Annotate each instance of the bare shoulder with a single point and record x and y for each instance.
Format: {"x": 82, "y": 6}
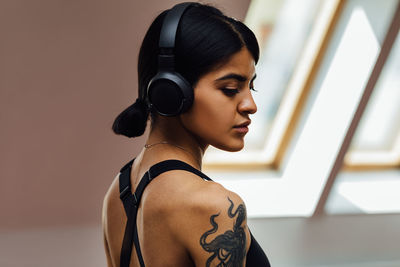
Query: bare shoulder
{"x": 181, "y": 191}
{"x": 206, "y": 218}
{"x": 109, "y": 199}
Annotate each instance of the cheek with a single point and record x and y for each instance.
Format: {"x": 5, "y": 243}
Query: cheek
{"x": 209, "y": 116}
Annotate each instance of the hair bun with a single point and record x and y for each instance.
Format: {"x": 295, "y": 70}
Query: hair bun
{"x": 133, "y": 120}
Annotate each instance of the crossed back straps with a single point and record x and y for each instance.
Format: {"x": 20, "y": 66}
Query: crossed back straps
{"x": 131, "y": 201}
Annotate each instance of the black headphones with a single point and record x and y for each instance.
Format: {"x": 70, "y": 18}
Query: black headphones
{"x": 169, "y": 93}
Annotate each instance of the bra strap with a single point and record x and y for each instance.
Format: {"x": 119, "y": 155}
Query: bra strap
{"x": 172, "y": 164}
{"x": 125, "y": 185}
{"x": 131, "y": 201}
{"x": 130, "y": 206}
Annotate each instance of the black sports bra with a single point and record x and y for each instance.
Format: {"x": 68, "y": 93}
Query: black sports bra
{"x": 255, "y": 255}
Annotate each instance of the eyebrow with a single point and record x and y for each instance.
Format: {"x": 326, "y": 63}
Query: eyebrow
{"x": 235, "y": 76}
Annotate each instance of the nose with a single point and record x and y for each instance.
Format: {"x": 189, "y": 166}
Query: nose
{"x": 247, "y": 104}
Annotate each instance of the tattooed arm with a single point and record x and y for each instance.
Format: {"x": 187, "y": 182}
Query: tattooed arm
{"x": 216, "y": 232}
{"x": 227, "y": 248}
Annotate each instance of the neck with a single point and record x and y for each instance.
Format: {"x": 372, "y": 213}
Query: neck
{"x": 174, "y": 141}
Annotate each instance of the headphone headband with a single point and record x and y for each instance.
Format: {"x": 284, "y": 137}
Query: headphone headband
{"x": 170, "y": 25}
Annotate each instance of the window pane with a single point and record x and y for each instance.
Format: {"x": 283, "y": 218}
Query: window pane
{"x": 380, "y": 125}
{"x": 282, "y": 28}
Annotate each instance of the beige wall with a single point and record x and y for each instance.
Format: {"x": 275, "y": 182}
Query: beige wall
{"x": 67, "y": 68}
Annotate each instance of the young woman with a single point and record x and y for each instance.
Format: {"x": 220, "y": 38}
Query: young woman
{"x": 196, "y": 71}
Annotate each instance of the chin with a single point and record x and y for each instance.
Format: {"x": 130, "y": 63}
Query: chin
{"x": 231, "y": 147}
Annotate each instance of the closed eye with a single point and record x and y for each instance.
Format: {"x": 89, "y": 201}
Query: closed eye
{"x": 229, "y": 92}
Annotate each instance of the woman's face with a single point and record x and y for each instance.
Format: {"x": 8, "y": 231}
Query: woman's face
{"x": 222, "y": 104}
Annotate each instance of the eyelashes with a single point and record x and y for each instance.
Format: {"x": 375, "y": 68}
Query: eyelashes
{"x": 230, "y": 92}
{"x": 234, "y": 91}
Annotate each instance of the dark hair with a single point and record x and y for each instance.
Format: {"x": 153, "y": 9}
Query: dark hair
{"x": 205, "y": 39}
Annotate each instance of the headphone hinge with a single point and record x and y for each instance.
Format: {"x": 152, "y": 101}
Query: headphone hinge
{"x": 166, "y": 62}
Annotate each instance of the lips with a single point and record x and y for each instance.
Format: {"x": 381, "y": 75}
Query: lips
{"x": 242, "y": 128}
{"x": 244, "y": 124}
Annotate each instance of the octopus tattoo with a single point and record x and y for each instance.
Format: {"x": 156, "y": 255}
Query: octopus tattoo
{"x": 229, "y": 248}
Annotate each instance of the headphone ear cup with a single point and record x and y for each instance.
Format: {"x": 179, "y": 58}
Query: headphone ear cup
{"x": 169, "y": 94}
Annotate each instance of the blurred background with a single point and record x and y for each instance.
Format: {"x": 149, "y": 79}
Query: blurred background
{"x": 320, "y": 174}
